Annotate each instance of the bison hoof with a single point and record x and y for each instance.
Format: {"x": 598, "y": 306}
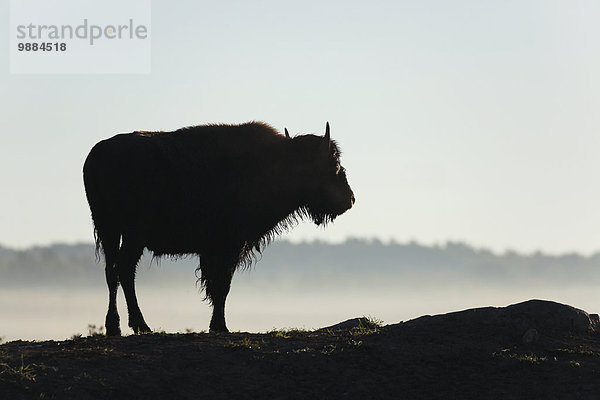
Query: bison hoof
{"x": 113, "y": 331}
{"x": 112, "y": 325}
{"x": 218, "y": 329}
{"x": 140, "y": 329}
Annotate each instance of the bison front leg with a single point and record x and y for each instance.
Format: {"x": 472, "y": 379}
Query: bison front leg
{"x": 217, "y": 321}
{"x": 216, "y": 279}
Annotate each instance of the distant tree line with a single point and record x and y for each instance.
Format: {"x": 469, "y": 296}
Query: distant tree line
{"x": 355, "y": 260}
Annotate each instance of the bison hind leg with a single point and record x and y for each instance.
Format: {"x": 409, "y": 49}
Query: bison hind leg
{"x": 112, "y": 322}
{"x": 109, "y": 242}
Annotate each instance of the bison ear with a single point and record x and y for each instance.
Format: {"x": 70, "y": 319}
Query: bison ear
{"x": 287, "y": 134}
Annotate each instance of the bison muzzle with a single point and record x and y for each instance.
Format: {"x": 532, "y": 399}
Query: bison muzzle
{"x": 221, "y": 192}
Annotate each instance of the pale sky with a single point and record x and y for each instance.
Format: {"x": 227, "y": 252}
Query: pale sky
{"x": 475, "y": 120}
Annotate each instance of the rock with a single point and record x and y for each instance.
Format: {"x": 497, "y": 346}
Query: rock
{"x": 548, "y": 316}
{"x": 530, "y": 336}
{"x": 525, "y": 321}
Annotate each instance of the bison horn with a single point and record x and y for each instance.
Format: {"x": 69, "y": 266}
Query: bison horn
{"x": 287, "y": 134}
{"x": 327, "y": 137}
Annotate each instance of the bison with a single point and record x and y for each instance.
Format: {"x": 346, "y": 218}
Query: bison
{"x": 221, "y": 192}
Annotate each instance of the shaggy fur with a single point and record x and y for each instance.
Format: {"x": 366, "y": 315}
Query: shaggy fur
{"x": 221, "y": 192}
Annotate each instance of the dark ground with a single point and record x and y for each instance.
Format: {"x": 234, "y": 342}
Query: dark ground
{"x": 532, "y": 350}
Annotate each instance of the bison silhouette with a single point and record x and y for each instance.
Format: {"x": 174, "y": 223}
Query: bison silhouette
{"x": 221, "y": 192}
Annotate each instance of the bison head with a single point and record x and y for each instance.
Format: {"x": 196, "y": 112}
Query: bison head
{"x": 330, "y": 195}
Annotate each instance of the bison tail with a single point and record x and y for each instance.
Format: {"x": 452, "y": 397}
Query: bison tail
{"x": 107, "y": 236}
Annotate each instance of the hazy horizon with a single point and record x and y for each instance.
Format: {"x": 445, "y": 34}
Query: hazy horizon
{"x": 54, "y": 292}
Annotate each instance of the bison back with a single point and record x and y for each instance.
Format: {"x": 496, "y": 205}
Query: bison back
{"x": 177, "y": 191}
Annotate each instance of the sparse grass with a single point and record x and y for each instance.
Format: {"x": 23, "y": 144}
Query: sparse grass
{"x": 94, "y": 330}
{"x": 581, "y": 351}
{"x": 373, "y": 322}
{"x": 368, "y": 326}
{"x": 189, "y": 331}
{"x": 529, "y": 358}
{"x": 287, "y": 333}
{"x": 21, "y": 375}
{"x": 245, "y": 343}
{"x": 329, "y": 349}
{"x": 303, "y": 350}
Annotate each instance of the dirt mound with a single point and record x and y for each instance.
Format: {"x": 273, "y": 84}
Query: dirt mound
{"x": 473, "y": 354}
{"x": 543, "y": 317}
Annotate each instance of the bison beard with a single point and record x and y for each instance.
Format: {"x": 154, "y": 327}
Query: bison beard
{"x": 219, "y": 191}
